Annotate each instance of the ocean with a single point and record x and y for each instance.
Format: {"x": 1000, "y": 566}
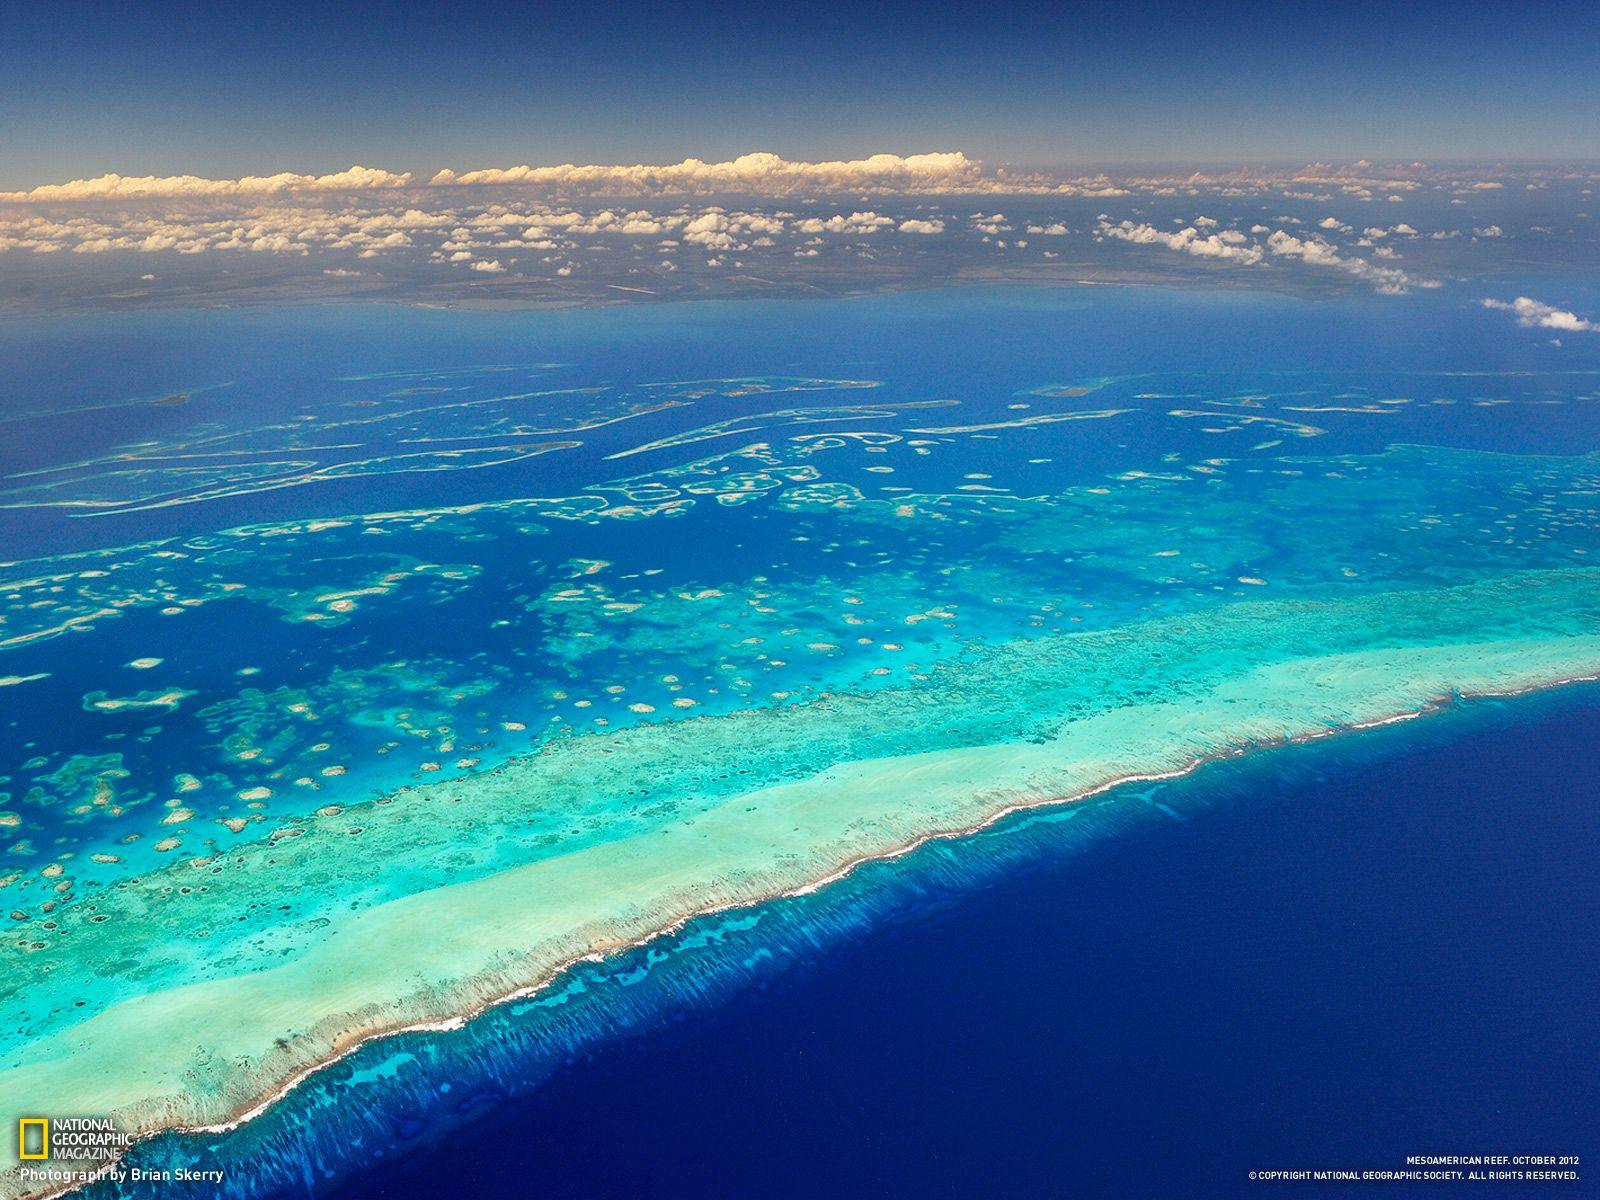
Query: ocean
{"x": 363, "y": 665}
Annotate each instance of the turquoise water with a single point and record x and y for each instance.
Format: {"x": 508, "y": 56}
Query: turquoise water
{"x": 311, "y": 613}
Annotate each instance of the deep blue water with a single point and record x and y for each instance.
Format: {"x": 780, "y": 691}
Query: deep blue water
{"x": 1354, "y": 955}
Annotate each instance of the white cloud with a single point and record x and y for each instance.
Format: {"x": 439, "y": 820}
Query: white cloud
{"x": 1312, "y": 250}
{"x": 1537, "y": 314}
{"x": 1188, "y": 240}
{"x": 1390, "y": 280}
{"x": 856, "y": 222}
{"x": 492, "y": 266}
{"x": 917, "y": 225}
{"x": 710, "y": 230}
{"x": 1231, "y": 245}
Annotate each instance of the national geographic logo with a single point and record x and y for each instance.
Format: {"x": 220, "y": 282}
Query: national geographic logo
{"x": 76, "y": 1139}
{"x": 80, "y": 1150}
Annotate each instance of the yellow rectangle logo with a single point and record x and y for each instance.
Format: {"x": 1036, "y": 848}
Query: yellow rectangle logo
{"x": 26, "y": 1125}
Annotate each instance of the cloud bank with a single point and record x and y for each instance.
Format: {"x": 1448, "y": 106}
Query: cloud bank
{"x": 768, "y": 174}
{"x": 761, "y": 174}
{"x": 144, "y": 187}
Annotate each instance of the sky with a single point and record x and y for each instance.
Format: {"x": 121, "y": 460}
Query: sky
{"x": 170, "y": 86}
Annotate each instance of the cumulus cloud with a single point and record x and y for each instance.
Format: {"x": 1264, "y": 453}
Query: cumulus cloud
{"x": 710, "y": 230}
{"x": 715, "y": 228}
{"x": 917, "y": 225}
{"x": 1390, "y": 280}
{"x": 1535, "y": 314}
{"x": 1232, "y": 246}
{"x": 1311, "y": 250}
{"x": 1227, "y": 245}
{"x": 856, "y": 222}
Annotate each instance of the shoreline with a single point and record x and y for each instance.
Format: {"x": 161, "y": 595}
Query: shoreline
{"x": 552, "y": 974}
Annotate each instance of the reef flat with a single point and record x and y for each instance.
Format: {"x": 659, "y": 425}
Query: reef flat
{"x": 326, "y": 736}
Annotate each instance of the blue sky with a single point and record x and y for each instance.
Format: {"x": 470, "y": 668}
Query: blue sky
{"x": 169, "y": 86}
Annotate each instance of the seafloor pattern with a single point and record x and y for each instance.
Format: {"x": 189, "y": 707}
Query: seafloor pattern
{"x": 354, "y": 694}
